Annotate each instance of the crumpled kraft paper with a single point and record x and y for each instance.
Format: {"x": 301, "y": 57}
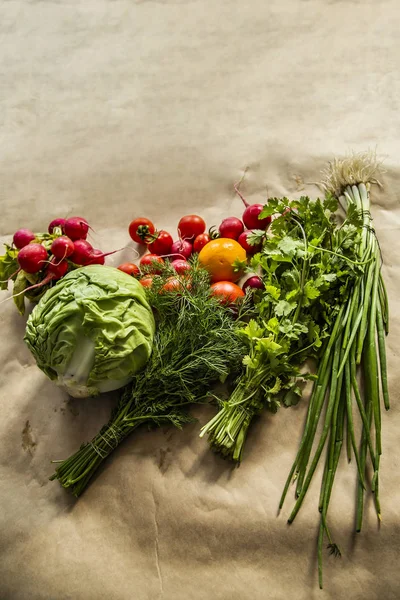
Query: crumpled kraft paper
{"x": 112, "y": 110}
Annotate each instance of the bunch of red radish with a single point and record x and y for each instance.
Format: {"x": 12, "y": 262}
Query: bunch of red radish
{"x": 53, "y": 255}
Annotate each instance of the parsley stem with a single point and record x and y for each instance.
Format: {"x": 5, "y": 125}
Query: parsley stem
{"x": 349, "y": 260}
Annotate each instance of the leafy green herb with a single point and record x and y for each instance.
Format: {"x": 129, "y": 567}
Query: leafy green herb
{"x": 195, "y": 345}
{"x": 306, "y": 265}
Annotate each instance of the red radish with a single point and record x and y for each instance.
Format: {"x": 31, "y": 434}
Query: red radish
{"x": 62, "y": 247}
{"x": 182, "y": 248}
{"x": 76, "y": 228}
{"x": 245, "y": 244}
{"x": 181, "y": 266}
{"x": 56, "y": 269}
{"x": 82, "y": 252}
{"x": 129, "y": 269}
{"x": 59, "y": 223}
{"x": 32, "y": 258}
{"x": 22, "y": 238}
{"x": 162, "y": 243}
{"x": 251, "y": 220}
{"x": 253, "y": 282}
{"x": 200, "y": 241}
{"x": 150, "y": 260}
{"x": 97, "y": 257}
{"x": 190, "y": 227}
{"x": 250, "y": 215}
{"x": 231, "y": 227}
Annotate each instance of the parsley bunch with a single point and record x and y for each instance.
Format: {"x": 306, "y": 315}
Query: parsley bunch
{"x": 307, "y": 264}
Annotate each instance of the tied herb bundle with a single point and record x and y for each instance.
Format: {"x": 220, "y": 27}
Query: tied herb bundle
{"x": 195, "y": 346}
{"x": 356, "y": 344}
{"x": 307, "y": 265}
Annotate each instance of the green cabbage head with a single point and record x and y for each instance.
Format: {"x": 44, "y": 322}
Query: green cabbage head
{"x": 92, "y": 331}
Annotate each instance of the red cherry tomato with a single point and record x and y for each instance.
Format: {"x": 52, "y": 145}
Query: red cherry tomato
{"x": 242, "y": 239}
{"x": 151, "y": 260}
{"x": 147, "y": 281}
{"x": 140, "y": 229}
{"x": 191, "y": 226}
{"x": 227, "y": 291}
{"x": 231, "y": 227}
{"x": 162, "y": 244}
{"x": 171, "y": 285}
{"x": 129, "y": 269}
{"x": 200, "y": 241}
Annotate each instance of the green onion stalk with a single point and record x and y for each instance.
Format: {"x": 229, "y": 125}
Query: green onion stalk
{"x": 356, "y": 349}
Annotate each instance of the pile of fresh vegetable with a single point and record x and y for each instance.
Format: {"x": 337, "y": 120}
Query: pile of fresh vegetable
{"x": 291, "y": 292}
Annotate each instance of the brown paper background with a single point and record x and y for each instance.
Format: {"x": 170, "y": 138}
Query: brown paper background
{"x": 114, "y": 109}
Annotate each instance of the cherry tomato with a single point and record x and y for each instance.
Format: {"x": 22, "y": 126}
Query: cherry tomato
{"x": 150, "y": 260}
{"x": 231, "y": 227}
{"x": 172, "y": 284}
{"x": 147, "y": 281}
{"x": 162, "y": 244}
{"x": 181, "y": 266}
{"x": 227, "y": 291}
{"x": 140, "y": 229}
{"x": 191, "y": 226}
{"x": 200, "y": 241}
{"x": 129, "y": 269}
{"x": 242, "y": 239}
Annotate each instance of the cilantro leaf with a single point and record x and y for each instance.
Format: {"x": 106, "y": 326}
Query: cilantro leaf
{"x": 330, "y": 203}
{"x": 284, "y": 308}
{"x": 255, "y": 237}
{"x": 310, "y": 290}
{"x": 273, "y": 291}
{"x": 289, "y": 246}
{"x": 273, "y": 325}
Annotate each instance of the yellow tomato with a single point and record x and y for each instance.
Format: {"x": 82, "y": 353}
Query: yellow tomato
{"x": 219, "y": 256}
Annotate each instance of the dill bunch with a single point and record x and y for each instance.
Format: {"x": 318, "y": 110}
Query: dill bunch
{"x": 196, "y": 345}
